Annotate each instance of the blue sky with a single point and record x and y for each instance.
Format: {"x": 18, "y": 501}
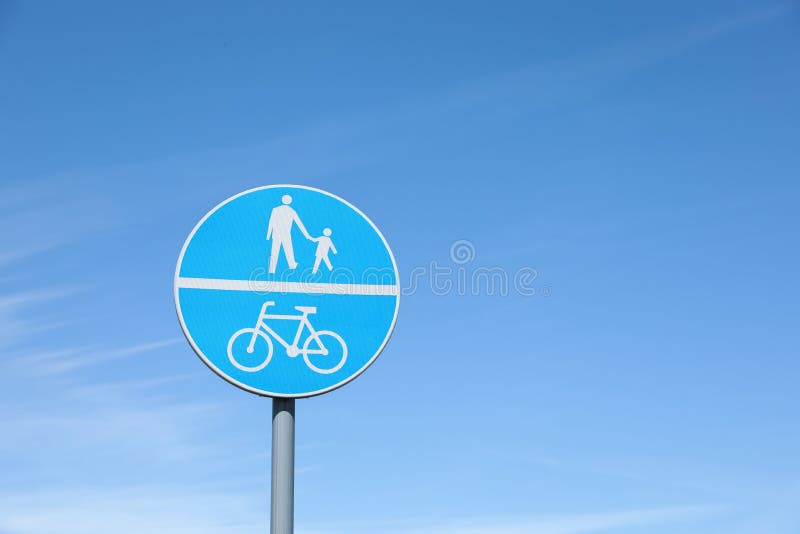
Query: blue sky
{"x": 642, "y": 158}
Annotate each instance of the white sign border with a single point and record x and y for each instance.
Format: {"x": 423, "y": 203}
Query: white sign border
{"x": 251, "y": 389}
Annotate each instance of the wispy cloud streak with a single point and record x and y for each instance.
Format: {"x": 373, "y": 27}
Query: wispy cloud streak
{"x": 65, "y": 361}
{"x": 178, "y": 510}
{"x": 566, "y": 524}
{"x": 543, "y": 84}
{"x": 16, "y": 321}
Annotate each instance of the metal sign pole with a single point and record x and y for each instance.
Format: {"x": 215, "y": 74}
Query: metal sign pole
{"x": 282, "y": 496}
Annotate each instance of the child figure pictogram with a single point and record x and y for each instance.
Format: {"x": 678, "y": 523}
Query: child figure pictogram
{"x": 324, "y": 245}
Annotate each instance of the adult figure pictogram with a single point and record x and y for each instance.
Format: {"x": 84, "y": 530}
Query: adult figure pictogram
{"x": 279, "y": 230}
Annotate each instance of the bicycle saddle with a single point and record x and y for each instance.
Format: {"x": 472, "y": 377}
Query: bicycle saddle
{"x": 306, "y": 309}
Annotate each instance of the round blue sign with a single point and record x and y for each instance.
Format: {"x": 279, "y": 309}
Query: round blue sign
{"x": 287, "y": 291}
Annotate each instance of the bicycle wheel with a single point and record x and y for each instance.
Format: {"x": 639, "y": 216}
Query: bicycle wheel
{"x": 329, "y": 352}
{"x": 245, "y": 357}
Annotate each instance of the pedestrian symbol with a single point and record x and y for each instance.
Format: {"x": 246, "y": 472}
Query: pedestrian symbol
{"x": 286, "y": 291}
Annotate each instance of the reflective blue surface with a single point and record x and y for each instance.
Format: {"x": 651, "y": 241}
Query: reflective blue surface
{"x": 231, "y": 244}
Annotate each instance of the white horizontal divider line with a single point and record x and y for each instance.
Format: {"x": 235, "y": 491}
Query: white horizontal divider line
{"x": 264, "y": 286}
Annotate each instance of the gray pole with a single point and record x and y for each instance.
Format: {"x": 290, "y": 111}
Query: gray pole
{"x": 282, "y": 505}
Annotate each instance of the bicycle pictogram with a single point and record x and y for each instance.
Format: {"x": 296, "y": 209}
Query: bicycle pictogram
{"x": 323, "y": 351}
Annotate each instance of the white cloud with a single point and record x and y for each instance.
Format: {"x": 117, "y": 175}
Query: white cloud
{"x": 16, "y": 325}
{"x": 543, "y": 84}
{"x": 176, "y": 510}
{"x": 168, "y": 430}
{"x": 21, "y": 253}
{"x": 105, "y": 389}
{"x": 578, "y": 524}
{"x": 45, "y": 213}
{"x": 71, "y": 360}
{"x": 566, "y": 524}
{"x": 150, "y": 509}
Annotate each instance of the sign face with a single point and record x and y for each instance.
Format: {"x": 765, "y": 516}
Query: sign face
{"x": 287, "y": 291}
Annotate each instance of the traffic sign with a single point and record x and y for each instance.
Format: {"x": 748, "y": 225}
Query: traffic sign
{"x": 287, "y": 291}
